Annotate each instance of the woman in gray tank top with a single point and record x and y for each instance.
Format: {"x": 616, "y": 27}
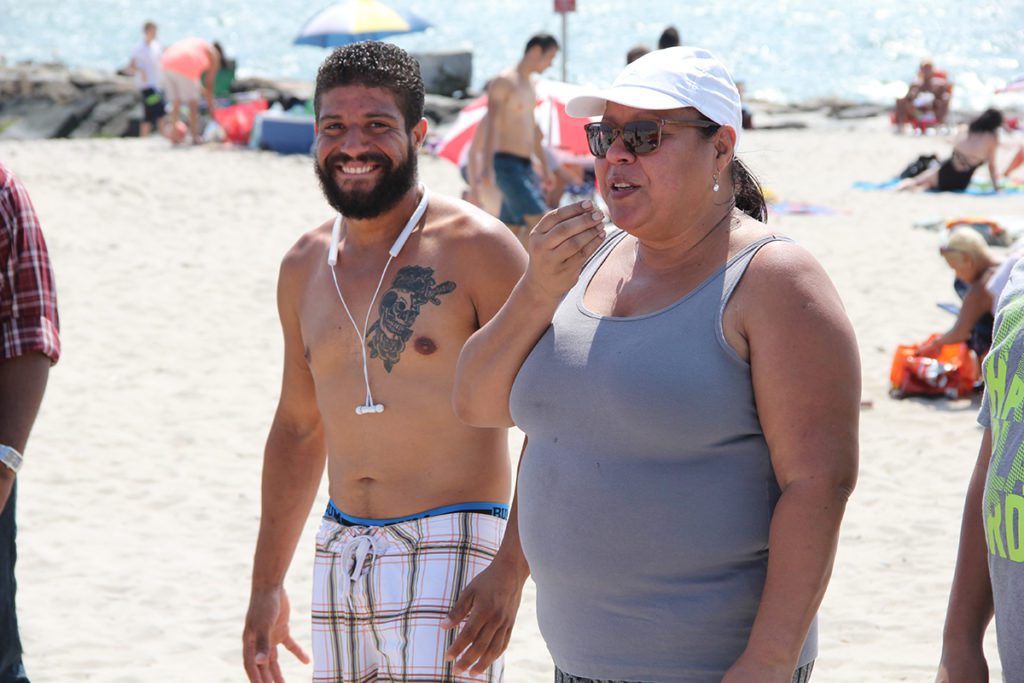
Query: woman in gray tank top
{"x": 689, "y": 385}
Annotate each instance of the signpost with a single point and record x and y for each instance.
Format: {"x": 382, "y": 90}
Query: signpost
{"x": 563, "y": 7}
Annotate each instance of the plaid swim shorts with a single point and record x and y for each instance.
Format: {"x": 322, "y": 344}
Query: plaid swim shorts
{"x": 380, "y": 593}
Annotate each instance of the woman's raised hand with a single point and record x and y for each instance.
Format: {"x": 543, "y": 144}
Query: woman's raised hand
{"x": 559, "y": 245}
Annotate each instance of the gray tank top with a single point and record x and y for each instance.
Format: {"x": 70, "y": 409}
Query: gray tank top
{"x": 646, "y": 490}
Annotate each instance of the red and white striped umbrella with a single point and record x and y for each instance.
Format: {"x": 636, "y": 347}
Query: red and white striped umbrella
{"x": 563, "y": 134}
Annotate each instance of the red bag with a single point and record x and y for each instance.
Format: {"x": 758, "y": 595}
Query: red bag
{"x": 237, "y": 120}
{"x": 953, "y": 372}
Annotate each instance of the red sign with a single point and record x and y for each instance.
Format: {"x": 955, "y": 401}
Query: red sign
{"x": 563, "y": 6}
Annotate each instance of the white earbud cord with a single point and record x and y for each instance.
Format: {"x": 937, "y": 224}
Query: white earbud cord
{"x": 369, "y": 407}
{"x": 362, "y": 346}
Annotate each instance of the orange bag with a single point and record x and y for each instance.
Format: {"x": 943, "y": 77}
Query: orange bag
{"x": 953, "y": 372}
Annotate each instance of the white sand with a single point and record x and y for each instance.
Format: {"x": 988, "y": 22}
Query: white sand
{"x": 139, "y": 502}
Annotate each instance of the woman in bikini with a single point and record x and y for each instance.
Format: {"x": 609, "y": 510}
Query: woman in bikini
{"x": 973, "y": 145}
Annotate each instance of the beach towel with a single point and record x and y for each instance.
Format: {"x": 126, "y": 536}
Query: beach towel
{"x": 977, "y": 188}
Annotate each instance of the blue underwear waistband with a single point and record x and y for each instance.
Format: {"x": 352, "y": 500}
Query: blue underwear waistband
{"x": 492, "y": 509}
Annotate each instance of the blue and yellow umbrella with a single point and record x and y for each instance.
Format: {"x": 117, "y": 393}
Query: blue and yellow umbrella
{"x": 354, "y": 20}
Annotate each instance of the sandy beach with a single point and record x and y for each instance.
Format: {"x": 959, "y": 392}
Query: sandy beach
{"x": 139, "y": 502}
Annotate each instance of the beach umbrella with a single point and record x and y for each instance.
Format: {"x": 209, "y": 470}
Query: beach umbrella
{"x": 354, "y": 20}
{"x": 563, "y": 134}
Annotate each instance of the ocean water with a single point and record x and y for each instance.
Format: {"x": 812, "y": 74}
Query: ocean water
{"x": 783, "y": 50}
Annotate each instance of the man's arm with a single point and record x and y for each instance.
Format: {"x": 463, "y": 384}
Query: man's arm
{"x": 546, "y": 172}
{"x": 31, "y": 341}
{"x": 497, "y": 94}
{"x": 970, "y": 599}
{"x": 806, "y": 377}
{"x": 474, "y": 159}
{"x": 22, "y": 382}
{"x": 293, "y": 463}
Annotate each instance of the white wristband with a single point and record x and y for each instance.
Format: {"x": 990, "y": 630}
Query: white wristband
{"x": 11, "y": 458}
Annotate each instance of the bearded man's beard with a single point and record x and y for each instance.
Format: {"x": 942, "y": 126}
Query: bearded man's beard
{"x": 393, "y": 184}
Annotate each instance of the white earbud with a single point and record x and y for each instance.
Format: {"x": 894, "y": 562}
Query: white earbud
{"x": 369, "y": 410}
{"x": 332, "y": 255}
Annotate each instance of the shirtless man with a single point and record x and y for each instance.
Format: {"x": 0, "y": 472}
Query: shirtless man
{"x": 513, "y": 137}
{"x": 418, "y": 499}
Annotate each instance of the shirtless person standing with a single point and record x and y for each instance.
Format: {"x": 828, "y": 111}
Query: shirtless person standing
{"x": 375, "y": 307}
{"x": 513, "y": 137}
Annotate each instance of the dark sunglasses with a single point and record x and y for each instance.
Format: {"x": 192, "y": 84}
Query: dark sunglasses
{"x": 640, "y": 137}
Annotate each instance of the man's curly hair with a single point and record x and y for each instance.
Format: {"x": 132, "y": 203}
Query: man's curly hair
{"x": 376, "y": 65}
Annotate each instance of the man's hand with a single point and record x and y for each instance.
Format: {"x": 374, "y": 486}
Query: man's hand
{"x": 266, "y": 627}
{"x": 488, "y": 607}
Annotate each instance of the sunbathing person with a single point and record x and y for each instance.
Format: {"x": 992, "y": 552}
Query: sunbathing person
{"x": 968, "y": 255}
{"x": 973, "y": 145}
{"x": 927, "y": 98}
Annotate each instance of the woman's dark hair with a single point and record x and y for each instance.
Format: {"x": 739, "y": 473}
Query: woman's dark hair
{"x": 987, "y": 122}
{"x": 374, "y": 64}
{"x": 745, "y": 189}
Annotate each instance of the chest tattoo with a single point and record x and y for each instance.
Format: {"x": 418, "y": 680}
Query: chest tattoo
{"x": 412, "y": 288}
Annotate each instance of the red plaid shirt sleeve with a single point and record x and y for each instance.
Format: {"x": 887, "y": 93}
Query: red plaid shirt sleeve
{"x": 28, "y": 298}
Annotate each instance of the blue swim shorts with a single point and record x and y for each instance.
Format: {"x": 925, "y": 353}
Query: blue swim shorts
{"x": 520, "y": 194}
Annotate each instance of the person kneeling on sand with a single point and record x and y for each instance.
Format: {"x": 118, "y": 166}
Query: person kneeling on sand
{"x": 973, "y": 145}
{"x": 968, "y": 255}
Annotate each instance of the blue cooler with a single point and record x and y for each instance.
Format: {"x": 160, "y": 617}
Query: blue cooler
{"x": 283, "y": 132}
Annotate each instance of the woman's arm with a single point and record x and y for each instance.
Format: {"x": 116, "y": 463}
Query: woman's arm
{"x": 559, "y": 245}
{"x": 977, "y": 302}
{"x": 993, "y": 172}
{"x": 806, "y": 375}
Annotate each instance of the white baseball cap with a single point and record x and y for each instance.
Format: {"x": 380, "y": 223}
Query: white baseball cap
{"x": 668, "y": 79}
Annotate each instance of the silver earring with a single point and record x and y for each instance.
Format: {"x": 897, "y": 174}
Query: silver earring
{"x": 715, "y": 187}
